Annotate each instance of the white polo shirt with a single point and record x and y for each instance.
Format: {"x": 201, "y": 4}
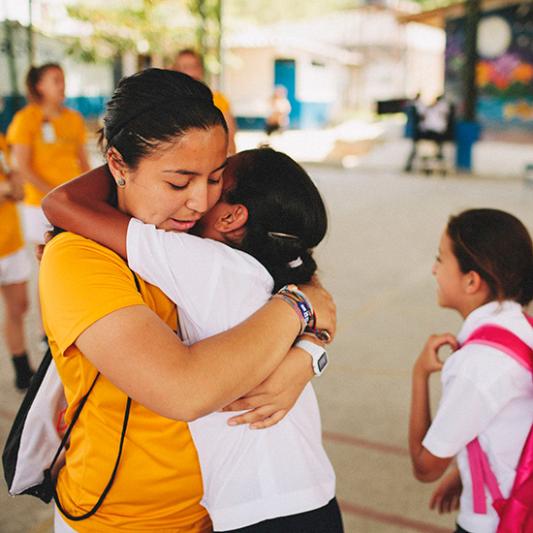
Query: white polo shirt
{"x": 485, "y": 393}
{"x": 248, "y": 475}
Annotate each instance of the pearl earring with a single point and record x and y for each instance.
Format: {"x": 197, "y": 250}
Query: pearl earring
{"x": 121, "y": 182}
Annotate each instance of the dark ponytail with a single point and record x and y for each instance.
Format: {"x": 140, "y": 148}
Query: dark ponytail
{"x": 152, "y": 107}
{"x": 34, "y": 76}
{"x": 498, "y": 247}
{"x": 287, "y": 217}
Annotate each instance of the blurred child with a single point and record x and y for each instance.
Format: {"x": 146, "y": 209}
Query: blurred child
{"x": 14, "y": 271}
{"x": 484, "y": 271}
{"x": 278, "y": 120}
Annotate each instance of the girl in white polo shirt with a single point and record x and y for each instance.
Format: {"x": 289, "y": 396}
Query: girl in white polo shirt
{"x": 270, "y": 481}
{"x": 484, "y": 270}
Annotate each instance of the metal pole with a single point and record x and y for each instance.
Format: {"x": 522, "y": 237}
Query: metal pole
{"x": 468, "y": 130}
{"x": 11, "y": 59}
{"x": 471, "y": 56}
{"x": 201, "y": 27}
{"x": 218, "y": 41}
{"x": 30, "y": 32}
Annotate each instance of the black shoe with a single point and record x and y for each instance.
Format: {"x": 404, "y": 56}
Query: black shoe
{"x": 23, "y": 371}
{"x": 23, "y": 381}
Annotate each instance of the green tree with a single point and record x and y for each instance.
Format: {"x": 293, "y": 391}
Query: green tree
{"x": 143, "y": 26}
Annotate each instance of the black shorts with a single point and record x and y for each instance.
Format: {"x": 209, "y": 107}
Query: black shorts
{"x": 326, "y": 519}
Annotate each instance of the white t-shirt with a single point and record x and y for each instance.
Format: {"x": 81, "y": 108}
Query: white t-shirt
{"x": 486, "y": 393}
{"x": 436, "y": 117}
{"x": 248, "y": 475}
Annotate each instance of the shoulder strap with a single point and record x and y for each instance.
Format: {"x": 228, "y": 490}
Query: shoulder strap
{"x": 480, "y": 470}
{"x": 481, "y": 475}
{"x": 48, "y": 472}
{"x": 505, "y": 341}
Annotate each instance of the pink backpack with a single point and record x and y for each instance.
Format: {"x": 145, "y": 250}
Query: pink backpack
{"x": 515, "y": 512}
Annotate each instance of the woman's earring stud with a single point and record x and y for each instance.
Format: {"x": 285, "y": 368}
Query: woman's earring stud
{"x": 121, "y": 182}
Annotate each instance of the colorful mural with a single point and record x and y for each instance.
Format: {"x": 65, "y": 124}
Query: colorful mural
{"x": 504, "y": 71}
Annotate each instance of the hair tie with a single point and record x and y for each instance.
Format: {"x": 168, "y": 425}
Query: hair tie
{"x": 295, "y": 263}
{"x": 278, "y": 235}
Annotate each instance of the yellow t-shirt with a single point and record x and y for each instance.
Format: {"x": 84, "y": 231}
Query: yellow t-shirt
{"x": 10, "y": 232}
{"x": 55, "y": 146}
{"x": 221, "y": 102}
{"x": 158, "y": 485}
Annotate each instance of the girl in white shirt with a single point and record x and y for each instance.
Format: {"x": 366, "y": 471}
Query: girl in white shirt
{"x": 484, "y": 270}
{"x": 260, "y": 237}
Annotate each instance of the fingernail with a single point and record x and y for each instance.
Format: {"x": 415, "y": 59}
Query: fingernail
{"x": 232, "y": 422}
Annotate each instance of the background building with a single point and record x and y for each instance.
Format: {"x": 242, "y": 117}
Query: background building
{"x": 332, "y": 66}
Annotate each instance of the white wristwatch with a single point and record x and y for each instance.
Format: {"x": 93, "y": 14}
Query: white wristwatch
{"x": 318, "y": 355}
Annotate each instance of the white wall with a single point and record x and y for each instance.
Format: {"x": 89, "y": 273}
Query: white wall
{"x": 249, "y": 80}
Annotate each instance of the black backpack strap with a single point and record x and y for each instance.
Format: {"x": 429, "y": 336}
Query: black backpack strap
{"x": 97, "y": 505}
{"x": 48, "y": 473}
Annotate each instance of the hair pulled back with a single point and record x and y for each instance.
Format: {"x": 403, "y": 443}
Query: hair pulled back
{"x": 497, "y": 246}
{"x": 34, "y": 76}
{"x": 155, "y": 106}
{"x": 286, "y": 215}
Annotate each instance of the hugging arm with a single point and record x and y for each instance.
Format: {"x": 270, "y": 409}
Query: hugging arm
{"x": 140, "y": 354}
{"x": 82, "y": 206}
{"x": 270, "y": 401}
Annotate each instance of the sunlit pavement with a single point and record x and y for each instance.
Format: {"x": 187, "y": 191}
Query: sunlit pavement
{"x": 376, "y": 259}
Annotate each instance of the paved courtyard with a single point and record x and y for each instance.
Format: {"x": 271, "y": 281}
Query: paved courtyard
{"x": 376, "y": 259}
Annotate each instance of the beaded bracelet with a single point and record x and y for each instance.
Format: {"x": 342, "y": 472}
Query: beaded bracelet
{"x": 301, "y": 305}
{"x": 293, "y": 292}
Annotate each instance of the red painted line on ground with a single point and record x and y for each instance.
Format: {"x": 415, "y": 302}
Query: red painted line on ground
{"x": 348, "y": 507}
{"x": 363, "y": 443}
{"x": 395, "y": 520}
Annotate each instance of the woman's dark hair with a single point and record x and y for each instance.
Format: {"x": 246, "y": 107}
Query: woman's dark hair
{"x": 152, "y": 107}
{"x": 286, "y": 215}
{"x": 34, "y": 76}
{"x": 498, "y": 247}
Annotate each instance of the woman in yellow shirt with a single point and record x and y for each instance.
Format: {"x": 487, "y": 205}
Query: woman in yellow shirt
{"x": 14, "y": 271}
{"x": 48, "y": 144}
{"x": 166, "y": 146}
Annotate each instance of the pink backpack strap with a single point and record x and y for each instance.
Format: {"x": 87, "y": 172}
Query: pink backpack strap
{"x": 480, "y": 470}
{"x": 482, "y": 475}
{"x": 504, "y": 340}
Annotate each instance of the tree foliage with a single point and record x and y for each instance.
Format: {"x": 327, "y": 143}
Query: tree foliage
{"x": 143, "y": 26}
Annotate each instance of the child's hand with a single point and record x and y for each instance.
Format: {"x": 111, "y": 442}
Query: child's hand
{"x": 428, "y": 361}
{"x": 446, "y": 496}
{"x": 39, "y": 248}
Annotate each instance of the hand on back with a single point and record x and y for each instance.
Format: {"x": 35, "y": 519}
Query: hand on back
{"x": 324, "y": 306}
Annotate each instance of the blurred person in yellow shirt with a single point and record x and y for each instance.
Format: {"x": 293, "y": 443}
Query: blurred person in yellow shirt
{"x": 14, "y": 271}
{"x": 191, "y": 63}
{"x": 48, "y": 144}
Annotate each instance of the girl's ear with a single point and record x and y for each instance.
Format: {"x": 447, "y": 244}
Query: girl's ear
{"x": 116, "y": 166}
{"x": 474, "y": 282}
{"x": 233, "y": 219}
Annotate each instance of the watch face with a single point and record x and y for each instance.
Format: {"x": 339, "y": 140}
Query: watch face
{"x": 322, "y": 361}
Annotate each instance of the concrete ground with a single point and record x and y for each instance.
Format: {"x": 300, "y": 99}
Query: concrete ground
{"x": 376, "y": 259}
